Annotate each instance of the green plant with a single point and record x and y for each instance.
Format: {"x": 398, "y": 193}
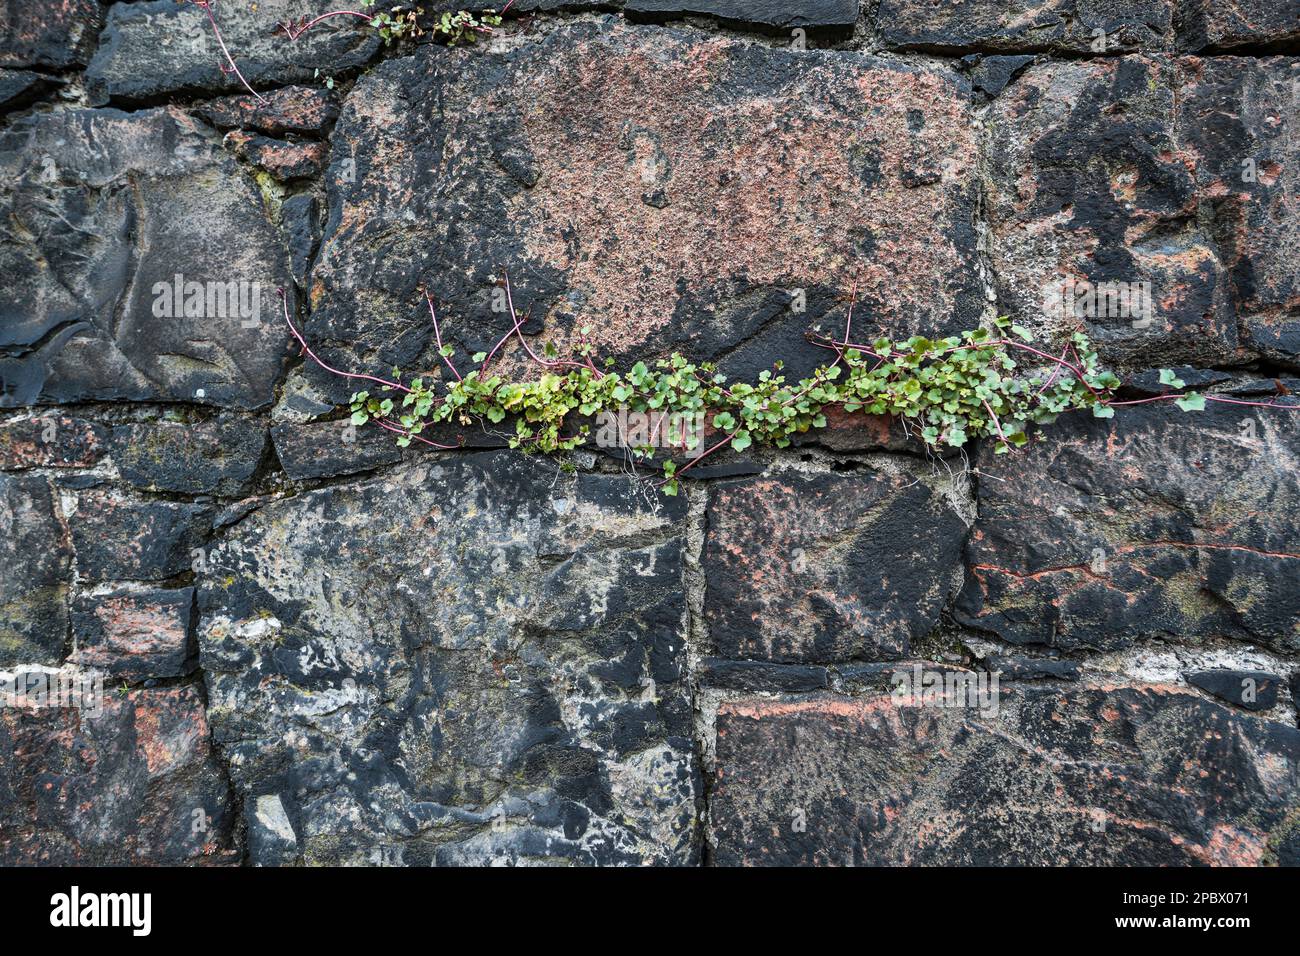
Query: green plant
{"x": 404, "y": 21}
{"x": 983, "y": 383}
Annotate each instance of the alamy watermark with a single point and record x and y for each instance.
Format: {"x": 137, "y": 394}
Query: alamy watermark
{"x": 946, "y": 688}
{"x": 1081, "y": 299}
{"x": 624, "y": 428}
{"x": 209, "y": 300}
{"x": 41, "y": 687}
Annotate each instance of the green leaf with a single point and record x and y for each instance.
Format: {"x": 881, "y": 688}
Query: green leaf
{"x": 360, "y": 418}
{"x": 741, "y": 441}
{"x": 1191, "y": 402}
{"x": 1102, "y": 411}
{"x": 1167, "y": 377}
{"x": 1023, "y": 333}
{"x": 478, "y": 357}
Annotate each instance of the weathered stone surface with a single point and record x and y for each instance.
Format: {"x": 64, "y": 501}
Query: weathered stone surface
{"x": 1254, "y": 690}
{"x": 1084, "y": 26}
{"x": 301, "y": 216}
{"x": 105, "y": 211}
{"x": 1101, "y": 776}
{"x": 1154, "y": 524}
{"x": 830, "y": 18}
{"x": 281, "y": 159}
{"x": 1239, "y": 122}
{"x": 151, "y": 49}
{"x": 1205, "y": 24}
{"x": 50, "y": 441}
{"x": 136, "y": 635}
{"x": 291, "y": 109}
{"x": 326, "y": 449}
{"x": 668, "y": 189}
{"x": 134, "y": 786}
{"x": 47, "y": 33}
{"x": 120, "y": 538}
{"x": 992, "y": 73}
{"x": 759, "y": 675}
{"x": 1156, "y": 192}
{"x": 271, "y": 838}
{"x": 18, "y": 87}
{"x": 472, "y": 660}
{"x": 1020, "y": 667}
{"x": 34, "y": 571}
{"x": 215, "y": 457}
{"x": 826, "y": 567}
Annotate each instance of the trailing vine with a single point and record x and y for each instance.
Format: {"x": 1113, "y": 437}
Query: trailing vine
{"x": 995, "y": 384}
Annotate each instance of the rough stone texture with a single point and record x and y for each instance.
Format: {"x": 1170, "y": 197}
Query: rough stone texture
{"x": 833, "y": 19}
{"x": 302, "y": 224}
{"x": 757, "y": 675}
{"x": 1239, "y": 120}
{"x": 282, "y": 160}
{"x": 19, "y": 87}
{"x": 657, "y": 185}
{"x": 102, "y": 207}
{"x": 1205, "y": 24}
{"x": 136, "y": 635}
{"x": 50, "y": 441}
{"x": 1017, "y": 25}
{"x": 827, "y": 567}
{"x": 458, "y": 663}
{"x": 152, "y": 49}
{"x": 121, "y": 538}
{"x": 291, "y": 109}
{"x": 327, "y": 449}
{"x": 992, "y": 73}
{"x": 1101, "y": 776}
{"x": 217, "y": 457}
{"x": 126, "y": 788}
{"x": 34, "y": 571}
{"x": 1019, "y": 667}
{"x": 1153, "y": 524}
{"x": 53, "y": 34}
{"x": 1153, "y": 192}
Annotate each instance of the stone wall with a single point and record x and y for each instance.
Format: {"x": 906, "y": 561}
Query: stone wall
{"x": 321, "y": 648}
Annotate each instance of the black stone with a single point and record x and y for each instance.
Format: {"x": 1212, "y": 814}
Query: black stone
{"x": 759, "y": 675}
{"x": 1033, "y": 668}
{"x": 1254, "y": 690}
{"x": 830, "y": 19}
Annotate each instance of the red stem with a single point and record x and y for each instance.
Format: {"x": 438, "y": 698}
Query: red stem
{"x": 996, "y": 424}
{"x": 695, "y": 461}
{"x": 438, "y": 333}
{"x": 284, "y": 304}
{"x": 293, "y": 34}
{"x": 382, "y": 423}
{"x": 848, "y": 326}
{"x": 206, "y": 7}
